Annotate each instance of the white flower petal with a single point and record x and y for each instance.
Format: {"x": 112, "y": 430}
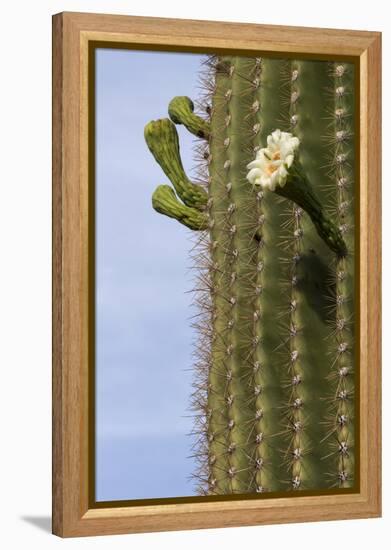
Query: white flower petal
{"x": 275, "y": 177}
{"x": 270, "y": 141}
{"x": 253, "y": 164}
{"x": 261, "y": 154}
{"x": 295, "y": 142}
{"x": 265, "y": 181}
{"x": 271, "y": 164}
{"x": 276, "y": 136}
{"x": 254, "y": 174}
{"x": 273, "y": 184}
{"x": 289, "y": 160}
{"x": 283, "y": 172}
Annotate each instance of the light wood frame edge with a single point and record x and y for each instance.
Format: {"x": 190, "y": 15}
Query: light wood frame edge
{"x": 71, "y": 514}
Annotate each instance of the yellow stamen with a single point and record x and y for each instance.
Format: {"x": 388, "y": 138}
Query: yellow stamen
{"x": 271, "y": 168}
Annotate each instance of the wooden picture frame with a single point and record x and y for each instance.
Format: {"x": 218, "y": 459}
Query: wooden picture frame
{"x": 73, "y": 34}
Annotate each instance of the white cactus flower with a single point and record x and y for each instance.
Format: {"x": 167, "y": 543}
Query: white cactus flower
{"x": 271, "y": 164}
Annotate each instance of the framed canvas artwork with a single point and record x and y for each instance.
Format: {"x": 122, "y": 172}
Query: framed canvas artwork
{"x": 216, "y": 239}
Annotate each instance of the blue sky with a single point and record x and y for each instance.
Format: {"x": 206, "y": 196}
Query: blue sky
{"x": 143, "y": 338}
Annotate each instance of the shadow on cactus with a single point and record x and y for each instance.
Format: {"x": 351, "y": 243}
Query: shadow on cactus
{"x": 274, "y": 379}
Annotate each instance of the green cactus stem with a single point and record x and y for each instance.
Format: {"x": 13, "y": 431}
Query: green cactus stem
{"x": 181, "y": 111}
{"x": 166, "y": 202}
{"x": 299, "y": 190}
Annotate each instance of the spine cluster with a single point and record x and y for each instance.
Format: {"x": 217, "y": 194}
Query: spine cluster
{"x": 342, "y": 375}
{"x": 295, "y": 454}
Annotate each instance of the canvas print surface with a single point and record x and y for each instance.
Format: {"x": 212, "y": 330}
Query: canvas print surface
{"x": 224, "y": 276}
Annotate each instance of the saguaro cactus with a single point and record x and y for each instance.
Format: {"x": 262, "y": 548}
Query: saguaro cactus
{"x": 274, "y": 386}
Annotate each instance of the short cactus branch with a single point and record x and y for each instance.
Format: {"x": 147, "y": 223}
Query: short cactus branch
{"x": 165, "y": 202}
{"x": 162, "y": 139}
{"x": 181, "y": 111}
{"x": 299, "y": 190}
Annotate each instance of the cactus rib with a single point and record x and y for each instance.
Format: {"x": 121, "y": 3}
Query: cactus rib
{"x": 267, "y": 369}
{"x": 219, "y": 376}
{"x": 342, "y": 408}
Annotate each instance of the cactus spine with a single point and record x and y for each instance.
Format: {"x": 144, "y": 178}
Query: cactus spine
{"x": 273, "y": 409}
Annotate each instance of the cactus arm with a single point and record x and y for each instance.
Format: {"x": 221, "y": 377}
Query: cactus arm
{"x": 165, "y": 202}
{"x": 299, "y": 190}
{"x": 162, "y": 140}
{"x": 181, "y": 111}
